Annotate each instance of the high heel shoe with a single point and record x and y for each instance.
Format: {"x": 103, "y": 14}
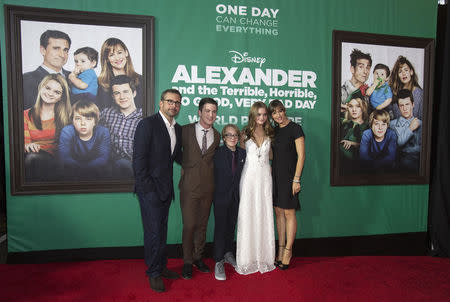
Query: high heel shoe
{"x": 280, "y": 254}
{"x": 287, "y": 253}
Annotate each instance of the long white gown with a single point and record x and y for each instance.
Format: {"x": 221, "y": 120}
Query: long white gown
{"x": 255, "y": 229}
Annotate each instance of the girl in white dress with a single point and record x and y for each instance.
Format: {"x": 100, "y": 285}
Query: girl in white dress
{"x": 255, "y": 250}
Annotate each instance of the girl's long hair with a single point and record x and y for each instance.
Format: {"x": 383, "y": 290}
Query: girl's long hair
{"x": 104, "y": 79}
{"x": 62, "y": 109}
{"x": 249, "y": 130}
{"x": 394, "y": 81}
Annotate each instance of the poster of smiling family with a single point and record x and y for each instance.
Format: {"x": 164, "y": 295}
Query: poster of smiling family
{"x": 382, "y": 101}
{"x": 76, "y": 95}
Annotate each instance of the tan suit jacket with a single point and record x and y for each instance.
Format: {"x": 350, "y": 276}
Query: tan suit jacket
{"x": 198, "y": 175}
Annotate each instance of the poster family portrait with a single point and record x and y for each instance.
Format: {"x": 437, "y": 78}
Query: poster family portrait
{"x": 78, "y": 85}
{"x": 381, "y": 114}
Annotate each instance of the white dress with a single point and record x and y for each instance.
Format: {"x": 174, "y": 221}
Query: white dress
{"x": 255, "y": 250}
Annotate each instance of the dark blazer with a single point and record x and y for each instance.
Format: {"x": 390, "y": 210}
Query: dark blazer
{"x": 227, "y": 184}
{"x": 31, "y": 82}
{"x": 152, "y": 159}
{"x": 198, "y": 169}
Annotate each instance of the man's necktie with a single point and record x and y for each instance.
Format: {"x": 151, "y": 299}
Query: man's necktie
{"x": 233, "y": 162}
{"x": 204, "y": 142}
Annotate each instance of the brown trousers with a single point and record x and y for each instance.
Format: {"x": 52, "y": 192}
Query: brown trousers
{"x": 195, "y": 209}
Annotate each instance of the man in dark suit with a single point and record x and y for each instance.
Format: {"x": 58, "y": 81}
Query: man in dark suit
{"x": 199, "y": 142}
{"x": 54, "y": 49}
{"x": 228, "y": 163}
{"x": 157, "y": 144}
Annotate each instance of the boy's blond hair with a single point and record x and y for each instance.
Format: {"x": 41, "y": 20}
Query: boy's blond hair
{"x": 87, "y": 109}
{"x": 380, "y": 115}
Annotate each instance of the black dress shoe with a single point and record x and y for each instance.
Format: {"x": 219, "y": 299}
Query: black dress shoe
{"x": 187, "y": 271}
{"x": 168, "y": 274}
{"x": 157, "y": 284}
{"x": 201, "y": 266}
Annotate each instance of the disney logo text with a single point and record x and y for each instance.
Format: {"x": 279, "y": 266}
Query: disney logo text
{"x": 241, "y": 58}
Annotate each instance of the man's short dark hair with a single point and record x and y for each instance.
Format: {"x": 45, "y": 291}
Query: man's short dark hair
{"x": 382, "y": 66}
{"x": 405, "y": 93}
{"x": 174, "y": 91}
{"x": 123, "y": 79}
{"x": 54, "y": 34}
{"x": 358, "y": 54}
{"x": 91, "y": 53}
{"x": 206, "y": 101}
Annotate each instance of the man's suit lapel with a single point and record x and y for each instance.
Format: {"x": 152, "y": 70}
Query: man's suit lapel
{"x": 41, "y": 71}
{"x": 161, "y": 128}
{"x": 178, "y": 143}
{"x": 214, "y": 143}
{"x": 193, "y": 136}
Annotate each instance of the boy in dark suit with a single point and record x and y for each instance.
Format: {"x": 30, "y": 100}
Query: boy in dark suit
{"x": 228, "y": 163}
{"x": 157, "y": 144}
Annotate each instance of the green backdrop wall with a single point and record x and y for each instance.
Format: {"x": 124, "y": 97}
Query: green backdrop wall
{"x": 194, "y": 33}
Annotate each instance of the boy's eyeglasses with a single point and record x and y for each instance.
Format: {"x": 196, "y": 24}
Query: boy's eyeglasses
{"x": 229, "y": 135}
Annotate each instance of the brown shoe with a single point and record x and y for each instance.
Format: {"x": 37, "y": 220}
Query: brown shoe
{"x": 157, "y": 284}
{"x": 168, "y": 274}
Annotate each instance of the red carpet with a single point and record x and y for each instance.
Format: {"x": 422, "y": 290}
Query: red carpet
{"x": 309, "y": 279}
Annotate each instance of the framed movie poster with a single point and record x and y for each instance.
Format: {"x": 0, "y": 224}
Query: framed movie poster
{"x": 78, "y": 84}
{"x": 381, "y": 109}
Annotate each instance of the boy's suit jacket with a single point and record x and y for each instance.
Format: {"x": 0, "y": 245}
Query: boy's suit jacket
{"x": 226, "y": 183}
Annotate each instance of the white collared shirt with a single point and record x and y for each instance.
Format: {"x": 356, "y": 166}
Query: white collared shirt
{"x": 51, "y": 71}
{"x": 199, "y": 134}
{"x": 171, "y": 130}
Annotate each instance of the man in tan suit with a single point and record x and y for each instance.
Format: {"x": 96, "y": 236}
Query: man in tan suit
{"x": 199, "y": 142}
